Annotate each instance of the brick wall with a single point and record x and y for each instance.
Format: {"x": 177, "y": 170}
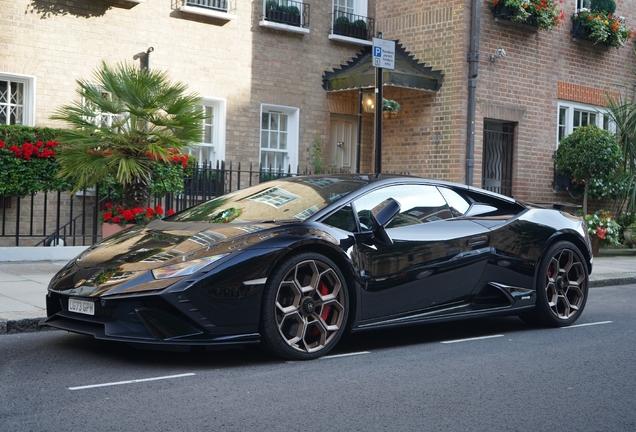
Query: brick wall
{"x": 523, "y": 88}
{"x": 249, "y": 65}
{"x": 238, "y": 60}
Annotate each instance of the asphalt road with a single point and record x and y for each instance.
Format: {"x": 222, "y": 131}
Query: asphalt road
{"x": 482, "y": 375}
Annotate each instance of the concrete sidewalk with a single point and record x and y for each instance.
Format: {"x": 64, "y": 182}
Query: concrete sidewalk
{"x": 23, "y": 287}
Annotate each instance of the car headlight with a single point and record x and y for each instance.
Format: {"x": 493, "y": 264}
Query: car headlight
{"x": 185, "y": 268}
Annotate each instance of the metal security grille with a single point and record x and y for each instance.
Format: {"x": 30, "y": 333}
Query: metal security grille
{"x": 497, "y": 158}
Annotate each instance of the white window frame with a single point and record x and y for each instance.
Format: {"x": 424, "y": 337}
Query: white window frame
{"x": 360, "y": 7}
{"x": 218, "y": 134}
{"x": 570, "y": 107}
{"x": 28, "y": 104}
{"x": 582, "y": 4}
{"x": 293, "y": 121}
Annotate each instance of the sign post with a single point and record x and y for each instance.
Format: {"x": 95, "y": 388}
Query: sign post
{"x": 383, "y": 58}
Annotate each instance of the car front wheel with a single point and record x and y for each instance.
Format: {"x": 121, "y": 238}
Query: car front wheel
{"x": 305, "y": 307}
{"x": 562, "y": 286}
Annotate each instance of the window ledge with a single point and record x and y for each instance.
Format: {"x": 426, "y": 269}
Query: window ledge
{"x": 285, "y": 27}
{"x": 207, "y": 12}
{"x": 348, "y": 39}
{"x": 136, "y": 1}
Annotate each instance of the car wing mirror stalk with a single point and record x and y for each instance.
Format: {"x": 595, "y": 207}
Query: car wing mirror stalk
{"x": 382, "y": 215}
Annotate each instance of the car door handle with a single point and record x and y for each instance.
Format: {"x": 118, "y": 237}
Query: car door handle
{"x": 477, "y": 241}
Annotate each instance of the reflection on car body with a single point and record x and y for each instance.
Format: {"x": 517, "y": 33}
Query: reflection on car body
{"x": 294, "y": 263}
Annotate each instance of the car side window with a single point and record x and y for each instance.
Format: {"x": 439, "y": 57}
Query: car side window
{"x": 343, "y": 219}
{"x": 458, "y": 205}
{"x": 419, "y": 204}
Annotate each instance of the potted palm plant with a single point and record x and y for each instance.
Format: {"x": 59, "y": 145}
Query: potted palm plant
{"x": 124, "y": 121}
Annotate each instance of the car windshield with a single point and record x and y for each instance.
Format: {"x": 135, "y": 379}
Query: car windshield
{"x": 294, "y": 198}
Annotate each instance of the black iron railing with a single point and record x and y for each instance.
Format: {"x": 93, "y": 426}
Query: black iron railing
{"x": 351, "y": 25}
{"x": 293, "y": 13}
{"x": 50, "y": 219}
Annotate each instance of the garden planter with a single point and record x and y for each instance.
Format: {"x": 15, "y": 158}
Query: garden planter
{"x": 283, "y": 17}
{"x": 108, "y": 229}
{"x": 505, "y": 12}
{"x": 501, "y": 11}
{"x": 579, "y": 31}
{"x": 389, "y": 114}
{"x": 596, "y": 245}
{"x": 350, "y": 31}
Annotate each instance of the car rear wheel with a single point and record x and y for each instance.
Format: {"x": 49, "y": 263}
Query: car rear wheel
{"x": 305, "y": 307}
{"x": 562, "y": 286}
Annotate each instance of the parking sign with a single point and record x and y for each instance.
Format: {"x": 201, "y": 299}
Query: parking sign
{"x": 384, "y": 53}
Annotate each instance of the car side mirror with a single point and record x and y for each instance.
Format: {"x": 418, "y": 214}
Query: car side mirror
{"x": 382, "y": 215}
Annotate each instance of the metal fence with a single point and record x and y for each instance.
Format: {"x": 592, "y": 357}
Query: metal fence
{"x": 61, "y": 218}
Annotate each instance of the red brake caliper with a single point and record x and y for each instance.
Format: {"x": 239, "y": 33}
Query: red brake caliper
{"x": 325, "y": 309}
{"x": 323, "y": 290}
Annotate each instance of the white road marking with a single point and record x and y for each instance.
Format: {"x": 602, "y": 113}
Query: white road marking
{"x": 472, "y": 339}
{"x": 345, "y": 355}
{"x": 588, "y": 324}
{"x": 131, "y": 381}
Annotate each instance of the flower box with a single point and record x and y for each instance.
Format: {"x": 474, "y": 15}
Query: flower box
{"x": 291, "y": 19}
{"x": 108, "y": 229}
{"x": 350, "y": 30}
{"x": 506, "y": 13}
{"x": 579, "y": 31}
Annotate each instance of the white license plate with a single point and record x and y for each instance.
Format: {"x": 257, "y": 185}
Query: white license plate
{"x": 81, "y": 306}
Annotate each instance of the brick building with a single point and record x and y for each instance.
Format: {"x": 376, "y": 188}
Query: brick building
{"x": 262, "y": 79}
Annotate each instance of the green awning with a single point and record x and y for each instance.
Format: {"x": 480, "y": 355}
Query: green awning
{"x": 359, "y": 73}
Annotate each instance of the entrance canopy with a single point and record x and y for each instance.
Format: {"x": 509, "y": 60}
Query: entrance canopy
{"x": 359, "y": 73}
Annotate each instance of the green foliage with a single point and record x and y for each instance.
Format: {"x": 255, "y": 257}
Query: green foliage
{"x": 125, "y": 118}
{"x": 544, "y": 14}
{"x": 604, "y": 28}
{"x": 360, "y": 24}
{"x": 390, "y": 105}
{"x": 271, "y": 5}
{"x": 165, "y": 179}
{"x": 21, "y": 177}
{"x": 294, "y": 10}
{"x": 316, "y": 158}
{"x": 588, "y": 153}
{"x": 341, "y": 20}
{"x": 607, "y": 6}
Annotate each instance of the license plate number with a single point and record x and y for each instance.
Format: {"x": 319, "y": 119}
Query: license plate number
{"x": 81, "y": 306}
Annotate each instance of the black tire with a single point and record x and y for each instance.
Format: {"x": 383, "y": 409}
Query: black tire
{"x": 562, "y": 287}
{"x": 305, "y": 307}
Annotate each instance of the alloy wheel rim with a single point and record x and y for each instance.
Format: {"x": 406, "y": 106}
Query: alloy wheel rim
{"x": 309, "y": 306}
{"x": 565, "y": 284}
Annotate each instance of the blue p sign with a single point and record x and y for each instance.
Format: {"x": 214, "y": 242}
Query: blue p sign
{"x": 377, "y": 51}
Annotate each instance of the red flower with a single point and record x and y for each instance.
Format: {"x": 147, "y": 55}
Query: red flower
{"x": 1, "y": 144}
{"x": 600, "y": 232}
{"x": 128, "y": 215}
{"x": 108, "y": 205}
{"x": 116, "y": 219}
{"x": 137, "y": 210}
{"x": 159, "y": 209}
{"x": 170, "y": 212}
{"x": 108, "y": 216}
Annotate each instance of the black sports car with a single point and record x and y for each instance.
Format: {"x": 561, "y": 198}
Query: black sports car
{"x": 294, "y": 263}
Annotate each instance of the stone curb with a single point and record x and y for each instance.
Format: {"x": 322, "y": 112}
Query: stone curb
{"x": 613, "y": 281}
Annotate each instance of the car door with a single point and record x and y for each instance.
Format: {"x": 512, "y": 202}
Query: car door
{"x": 435, "y": 260}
